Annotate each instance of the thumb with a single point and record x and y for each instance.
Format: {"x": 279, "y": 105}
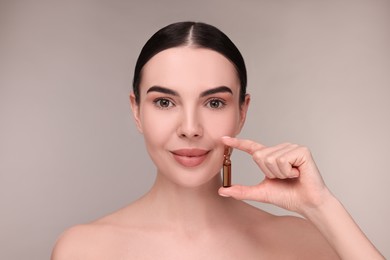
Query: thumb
{"x": 241, "y": 192}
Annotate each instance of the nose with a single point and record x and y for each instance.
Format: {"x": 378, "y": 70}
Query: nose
{"x": 190, "y": 125}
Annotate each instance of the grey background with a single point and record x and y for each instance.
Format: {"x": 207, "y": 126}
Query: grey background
{"x": 70, "y": 152}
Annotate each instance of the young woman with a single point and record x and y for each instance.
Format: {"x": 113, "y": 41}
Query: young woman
{"x": 189, "y": 101}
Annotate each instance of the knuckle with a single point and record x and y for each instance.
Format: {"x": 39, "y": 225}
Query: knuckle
{"x": 253, "y": 147}
{"x": 305, "y": 150}
{"x": 295, "y": 145}
{"x": 257, "y": 155}
{"x": 281, "y": 160}
{"x": 269, "y": 160}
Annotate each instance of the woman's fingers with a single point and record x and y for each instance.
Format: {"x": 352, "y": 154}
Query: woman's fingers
{"x": 275, "y": 162}
{"x": 242, "y": 144}
{"x": 241, "y": 192}
{"x": 252, "y": 148}
{"x": 262, "y": 192}
{"x": 292, "y": 180}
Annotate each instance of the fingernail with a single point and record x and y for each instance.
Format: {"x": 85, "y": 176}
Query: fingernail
{"x": 226, "y": 137}
{"x": 224, "y": 195}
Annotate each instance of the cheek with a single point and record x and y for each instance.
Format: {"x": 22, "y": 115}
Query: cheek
{"x": 157, "y": 127}
{"x": 223, "y": 124}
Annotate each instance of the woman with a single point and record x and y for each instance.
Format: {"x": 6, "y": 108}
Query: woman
{"x": 189, "y": 101}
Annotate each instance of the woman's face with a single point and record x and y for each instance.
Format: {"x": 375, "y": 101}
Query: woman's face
{"x": 189, "y": 99}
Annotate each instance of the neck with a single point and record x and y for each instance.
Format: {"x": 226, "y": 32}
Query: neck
{"x": 185, "y": 207}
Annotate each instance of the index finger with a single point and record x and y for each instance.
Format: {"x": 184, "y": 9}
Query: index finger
{"x": 245, "y": 145}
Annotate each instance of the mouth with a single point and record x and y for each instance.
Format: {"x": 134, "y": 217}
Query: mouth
{"x": 190, "y": 157}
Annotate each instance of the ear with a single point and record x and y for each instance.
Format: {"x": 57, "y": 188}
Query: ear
{"x": 136, "y": 112}
{"x": 243, "y": 111}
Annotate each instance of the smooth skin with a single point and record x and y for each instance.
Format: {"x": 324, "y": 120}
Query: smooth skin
{"x": 189, "y": 99}
{"x": 293, "y": 182}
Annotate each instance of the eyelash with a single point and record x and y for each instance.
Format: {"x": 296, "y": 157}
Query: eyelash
{"x": 157, "y": 103}
{"x": 222, "y": 103}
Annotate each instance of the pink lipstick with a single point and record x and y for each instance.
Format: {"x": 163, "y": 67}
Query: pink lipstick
{"x": 190, "y": 157}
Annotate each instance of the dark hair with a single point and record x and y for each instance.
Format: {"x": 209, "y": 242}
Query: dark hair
{"x": 190, "y": 34}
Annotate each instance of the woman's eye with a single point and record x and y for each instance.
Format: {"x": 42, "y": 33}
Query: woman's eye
{"x": 163, "y": 103}
{"x": 216, "y": 104}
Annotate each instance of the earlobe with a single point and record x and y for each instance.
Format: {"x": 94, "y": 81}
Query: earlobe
{"x": 136, "y": 112}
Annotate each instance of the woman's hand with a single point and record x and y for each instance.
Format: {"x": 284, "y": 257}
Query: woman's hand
{"x": 292, "y": 180}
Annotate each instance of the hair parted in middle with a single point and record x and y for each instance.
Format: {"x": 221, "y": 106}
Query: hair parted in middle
{"x": 194, "y": 34}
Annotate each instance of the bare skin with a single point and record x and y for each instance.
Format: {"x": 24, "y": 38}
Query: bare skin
{"x": 189, "y": 105}
{"x": 224, "y": 228}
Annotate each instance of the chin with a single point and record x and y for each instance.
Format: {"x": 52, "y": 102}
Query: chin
{"x": 192, "y": 178}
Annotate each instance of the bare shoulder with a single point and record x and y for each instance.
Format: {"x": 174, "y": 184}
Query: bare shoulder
{"x": 74, "y": 242}
{"x": 288, "y": 236}
{"x": 298, "y": 236}
{"x": 101, "y": 239}
{"x": 96, "y": 240}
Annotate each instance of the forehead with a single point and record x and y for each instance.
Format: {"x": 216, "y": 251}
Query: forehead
{"x": 189, "y": 66}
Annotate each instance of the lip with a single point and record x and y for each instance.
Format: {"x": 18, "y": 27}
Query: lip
{"x": 190, "y": 157}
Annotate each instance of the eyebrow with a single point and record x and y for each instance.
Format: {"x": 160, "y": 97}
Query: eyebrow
{"x": 162, "y": 90}
{"x": 220, "y": 89}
